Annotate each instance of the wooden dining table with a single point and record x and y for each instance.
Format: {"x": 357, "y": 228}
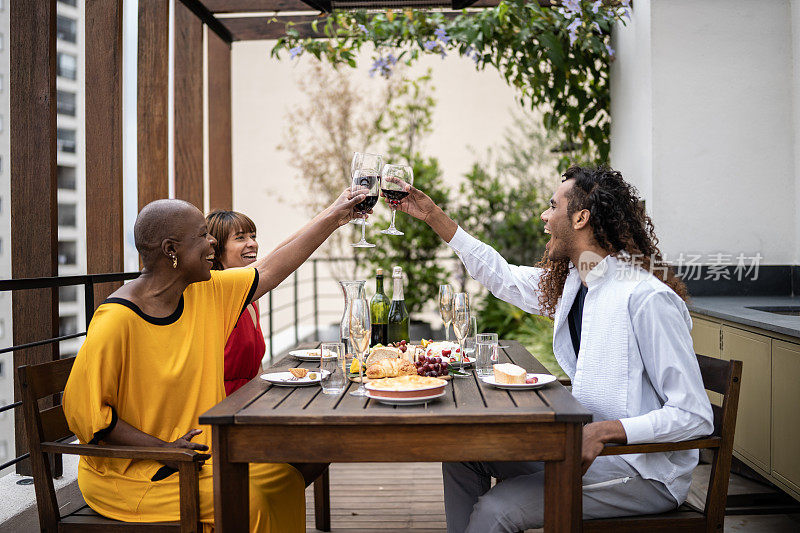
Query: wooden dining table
{"x": 474, "y": 421}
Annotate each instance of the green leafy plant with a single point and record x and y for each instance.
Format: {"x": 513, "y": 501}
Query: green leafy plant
{"x": 557, "y": 58}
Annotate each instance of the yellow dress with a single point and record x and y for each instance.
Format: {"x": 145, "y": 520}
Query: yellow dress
{"x": 159, "y": 375}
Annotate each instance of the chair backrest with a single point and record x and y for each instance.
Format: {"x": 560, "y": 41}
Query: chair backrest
{"x": 723, "y": 377}
{"x": 44, "y": 425}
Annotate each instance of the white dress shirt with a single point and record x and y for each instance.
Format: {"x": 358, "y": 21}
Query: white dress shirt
{"x": 636, "y": 361}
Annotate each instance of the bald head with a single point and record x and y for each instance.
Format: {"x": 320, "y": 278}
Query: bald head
{"x": 160, "y": 220}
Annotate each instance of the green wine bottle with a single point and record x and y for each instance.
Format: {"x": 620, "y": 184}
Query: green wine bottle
{"x": 379, "y": 309}
{"x": 398, "y": 315}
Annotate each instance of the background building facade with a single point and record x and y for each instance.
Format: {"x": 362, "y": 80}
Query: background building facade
{"x": 71, "y": 194}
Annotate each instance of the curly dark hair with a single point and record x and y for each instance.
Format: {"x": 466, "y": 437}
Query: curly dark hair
{"x": 619, "y": 223}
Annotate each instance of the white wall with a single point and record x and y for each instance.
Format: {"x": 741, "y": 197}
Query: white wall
{"x": 632, "y": 102}
{"x": 718, "y": 155}
{"x": 795, "y": 20}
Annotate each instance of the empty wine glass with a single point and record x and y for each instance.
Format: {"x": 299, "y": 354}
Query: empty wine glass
{"x": 360, "y": 332}
{"x": 461, "y": 319}
{"x": 371, "y": 180}
{"x": 363, "y": 160}
{"x": 395, "y": 183}
{"x": 446, "y": 308}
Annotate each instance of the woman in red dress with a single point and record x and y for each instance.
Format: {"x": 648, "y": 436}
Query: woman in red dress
{"x": 237, "y": 247}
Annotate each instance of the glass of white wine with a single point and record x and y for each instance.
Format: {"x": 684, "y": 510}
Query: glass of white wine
{"x": 360, "y": 332}
{"x": 461, "y": 320}
{"x": 446, "y": 308}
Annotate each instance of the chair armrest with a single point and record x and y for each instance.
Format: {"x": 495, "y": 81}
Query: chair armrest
{"x": 124, "y": 452}
{"x": 694, "y": 444}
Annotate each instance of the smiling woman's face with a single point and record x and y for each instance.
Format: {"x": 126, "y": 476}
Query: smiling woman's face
{"x": 241, "y": 249}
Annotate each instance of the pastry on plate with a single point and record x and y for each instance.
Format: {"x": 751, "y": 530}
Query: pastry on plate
{"x": 299, "y": 372}
{"x": 410, "y": 386}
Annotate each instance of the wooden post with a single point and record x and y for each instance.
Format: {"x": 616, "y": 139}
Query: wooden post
{"x": 219, "y": 123}
{"x": 152, "y": 98}
{"x": 188, "y": 106}
{"x": 104, "y": 224}
{"x": 34, "y": 229}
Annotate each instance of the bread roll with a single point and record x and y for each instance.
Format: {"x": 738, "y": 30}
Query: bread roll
{"x": 390, "y": 368}
{"x": 383, "y": 352}
{"x": 508, "y": 373}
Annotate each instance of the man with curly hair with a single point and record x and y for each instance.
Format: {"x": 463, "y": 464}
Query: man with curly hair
{"x": 622, "y": 336}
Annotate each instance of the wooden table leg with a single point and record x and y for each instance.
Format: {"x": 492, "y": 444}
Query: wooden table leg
{"x": 322, "y": 502}
{"x": 231, "y": 486}
{"x": 563, "y": 504}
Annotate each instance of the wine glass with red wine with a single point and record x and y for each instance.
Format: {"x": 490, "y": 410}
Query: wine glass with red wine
{"x": 363, "y": 160}
{"x": 371, "y": 180}
{"x": 397, "y": 179}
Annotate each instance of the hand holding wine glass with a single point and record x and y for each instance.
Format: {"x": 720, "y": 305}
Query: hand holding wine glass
{"x": 417, "y": 204}
{"x": 372, "y": 163}
{"x": 360, "y": 333}
{"x": 396, "y": 181}
{"x": 343, "y": 208}
{"x": 371, "y": 181}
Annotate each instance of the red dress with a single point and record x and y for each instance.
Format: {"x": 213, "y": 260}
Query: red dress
{"x": 244, "y": 350}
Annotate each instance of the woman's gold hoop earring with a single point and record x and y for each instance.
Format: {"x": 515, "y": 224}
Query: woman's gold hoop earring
{"x": 174, "y": 261}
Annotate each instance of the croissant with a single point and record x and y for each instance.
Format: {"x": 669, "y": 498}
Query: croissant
{"x": 390, "y": 368}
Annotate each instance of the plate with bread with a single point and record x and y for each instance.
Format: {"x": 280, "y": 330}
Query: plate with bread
{"x": 406, "y": 390}
{"x": 295, "y": 377}
{"x": 513, "y": 377}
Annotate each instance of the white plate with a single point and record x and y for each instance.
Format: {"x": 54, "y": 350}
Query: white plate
{"x": 544, "y": 379}
{"x": 306, "y": 355}
{"x": 406, "y": 401}
{"x": 286, "y": 379}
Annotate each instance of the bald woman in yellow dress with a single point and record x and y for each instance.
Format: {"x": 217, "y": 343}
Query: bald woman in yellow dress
{"x": 152, "y": 363}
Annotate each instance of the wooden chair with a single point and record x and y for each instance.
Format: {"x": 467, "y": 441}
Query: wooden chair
{"x": 719, "y": 376}
{"x": 47, "y": 429}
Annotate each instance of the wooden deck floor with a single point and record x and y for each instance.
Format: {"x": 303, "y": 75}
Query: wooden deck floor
{"x": 399, "y": 497}
{"x": 384, "y": 497}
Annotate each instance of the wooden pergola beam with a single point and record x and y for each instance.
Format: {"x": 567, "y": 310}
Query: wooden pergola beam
{"x": 104, "y": 224}
{"x": 34, "y": 228}
{"x": 188, "y": 106}
{"x": 220, "y": 162}
{"x": 263, "y": 28}
{"x": 152, "y": 101}
{"x": 258, "y": 6}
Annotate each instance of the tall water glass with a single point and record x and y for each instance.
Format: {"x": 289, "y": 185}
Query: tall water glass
{"x": 485, "y": 353}
{"x": 333, "y": 375}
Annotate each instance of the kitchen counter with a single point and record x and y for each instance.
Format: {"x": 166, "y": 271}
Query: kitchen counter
{"x": 736, "y": 309}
